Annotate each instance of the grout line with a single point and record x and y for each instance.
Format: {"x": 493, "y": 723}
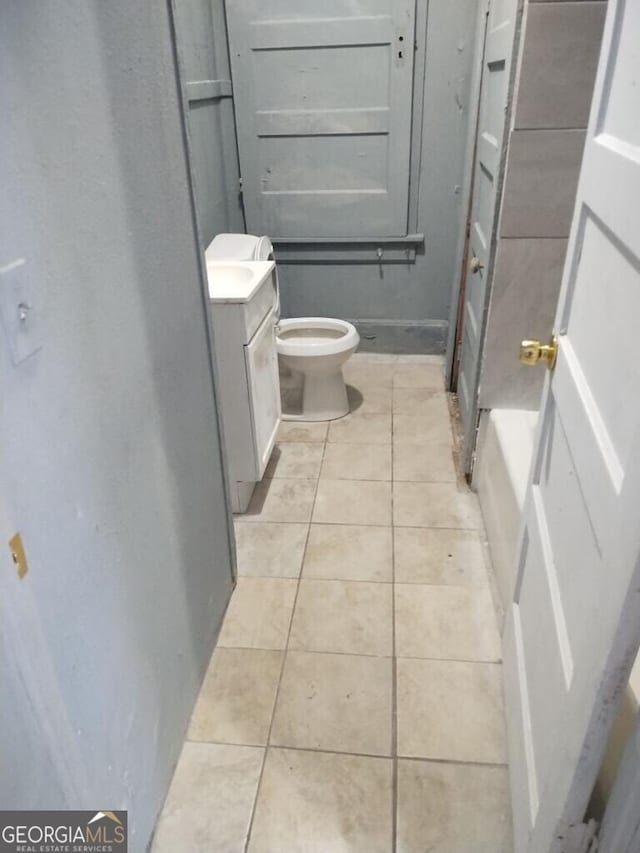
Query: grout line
{"x": 477, "y": 530}
{"x": 313, "y": 652}
{"x": 452, "y": 660}
{"x": 479, "y": 585}
{"x": 333, "y": 580}
{"x": 284, "y": 658}
{"x": 345, "y": 580}
{"x": 454, "y": 761}
{"x": 314, "y": 749}
{"x": 394, "y": 666}
{"x": 392, "y": 657}
{"x": 380, "y": 755}
{"x": 457, "y": 585}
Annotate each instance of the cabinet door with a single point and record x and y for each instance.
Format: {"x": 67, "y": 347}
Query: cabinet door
{"x": 261, "y": 362}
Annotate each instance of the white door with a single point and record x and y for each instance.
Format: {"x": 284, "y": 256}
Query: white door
{"x": 573, "y": 625}
{"x": 488, "y": 166}
{"x": 261, "y": 363}
{"x": 322, "y": 96}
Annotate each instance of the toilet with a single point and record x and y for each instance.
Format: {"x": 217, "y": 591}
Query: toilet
{"x": 312, "y": 350}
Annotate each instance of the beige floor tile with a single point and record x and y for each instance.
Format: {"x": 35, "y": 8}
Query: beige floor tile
{"x": 361, "y": 428}
{"x": 295, "y": 431}
{"x": 343, "y": 616}
{"x": 210, "y": 801}
{"x": 316, "y": 802}
{"x": 418, "y": 376}
{"x": 416, "y": 401}
{"x": 373, "y": 358}
{"x": 340, "y": 703}
{"x": 295, "y": 459}
{"x": 446, "y": 622}
{"x": 352, "y": 502}
{"x": 372, "y": 400}
{"x": 434, "y": 505}
{"x": 259, "y": 614}
{"x": 425, "y": 428}
{"x": 453, "y": 808}
{"x": 428, "y": 462}
{"x": 420, "y": 358}
{"x": 362, "y": 376}
{"x": 281, "y": 500}
{"x": 236, "y": 700}
{"x": 357, "y": 462}
{"x": 269, "y": 549}
{"x": 450, "y": 710}
{"x": 349, "y": 552}
{"x": 428, "y": 555}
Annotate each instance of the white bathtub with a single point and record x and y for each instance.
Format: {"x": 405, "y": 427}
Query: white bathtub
{"x": 505, "y": 446}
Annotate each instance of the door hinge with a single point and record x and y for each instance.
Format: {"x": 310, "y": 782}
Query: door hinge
{"x": 240, "y": 185}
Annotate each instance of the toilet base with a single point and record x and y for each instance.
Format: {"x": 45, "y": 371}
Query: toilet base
{"x": 324, "y": 398}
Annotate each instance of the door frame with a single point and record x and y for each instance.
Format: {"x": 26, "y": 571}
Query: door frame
{"x": 183, "y": 101}
{"x": 456, "y": 311}
{"x": 454, "y": 338}
{"x": 456, "y": 316}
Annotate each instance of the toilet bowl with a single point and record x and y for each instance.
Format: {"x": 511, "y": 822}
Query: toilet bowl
{"x": 312, "y": 349}
{"x": 316, "y": 348}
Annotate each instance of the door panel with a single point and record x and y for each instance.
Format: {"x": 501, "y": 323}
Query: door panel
{"x": 261, "y": 361}
{"x": 498, "y": 48}
{"x": 573, "y": 627}
{"x": 323, "y": 111}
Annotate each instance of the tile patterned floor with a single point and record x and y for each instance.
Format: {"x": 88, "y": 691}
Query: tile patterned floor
{"x": 354, "y": 700}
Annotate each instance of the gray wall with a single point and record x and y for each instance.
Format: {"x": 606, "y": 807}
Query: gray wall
{"x": 110, "y": 464}
{"x": 405, "y": 306}
{"x": 559, "y": 54}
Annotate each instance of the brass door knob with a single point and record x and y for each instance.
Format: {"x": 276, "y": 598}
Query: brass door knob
{"x": 531, "y": 352}
{"x": 475, "y": 265}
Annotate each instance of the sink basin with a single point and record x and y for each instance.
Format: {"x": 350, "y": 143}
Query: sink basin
{"x": 236, "y": 281}
{"x": 234, "y": 275}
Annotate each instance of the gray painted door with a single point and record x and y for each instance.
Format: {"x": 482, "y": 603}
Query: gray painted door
{"x": 322, "y": 95}
{"x": 498, "y": 49}
{"x": 205, "y": 72}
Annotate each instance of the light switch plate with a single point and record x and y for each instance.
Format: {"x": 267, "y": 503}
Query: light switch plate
{"x": 19, "y": 314}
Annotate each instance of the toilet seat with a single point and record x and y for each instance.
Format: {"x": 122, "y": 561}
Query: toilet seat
{"x": 319, "y": 336}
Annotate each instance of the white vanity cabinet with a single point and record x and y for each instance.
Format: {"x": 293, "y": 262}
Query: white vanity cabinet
{"x": 241, "y": 296}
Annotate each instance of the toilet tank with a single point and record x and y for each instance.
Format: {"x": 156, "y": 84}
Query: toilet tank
{"x": 236, "y": 247}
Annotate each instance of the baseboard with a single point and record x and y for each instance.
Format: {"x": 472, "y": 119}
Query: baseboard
{"x": 402, "y": 337}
